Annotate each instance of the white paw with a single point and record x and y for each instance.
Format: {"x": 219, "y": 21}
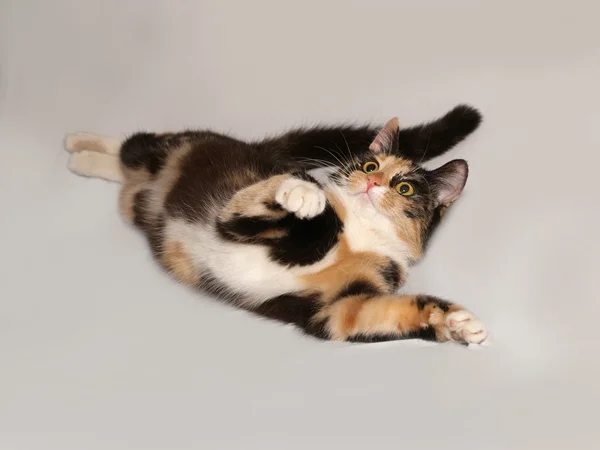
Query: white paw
{"x": 303, "y": 198}
{"x": 465, "y": 327}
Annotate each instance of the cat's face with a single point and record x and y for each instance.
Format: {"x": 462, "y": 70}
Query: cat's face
{"x": 391, "y": 185}
{"x": 382, "y": 186}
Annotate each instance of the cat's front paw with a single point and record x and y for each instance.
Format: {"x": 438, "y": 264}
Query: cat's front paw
{"x": 465, "y": 327}
{"x": 303, "y": 198}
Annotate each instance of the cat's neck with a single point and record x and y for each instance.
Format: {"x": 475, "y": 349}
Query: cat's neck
{"x": 365, "y": 229}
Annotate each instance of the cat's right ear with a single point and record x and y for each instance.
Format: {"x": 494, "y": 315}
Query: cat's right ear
{"x": 387, "y": 138}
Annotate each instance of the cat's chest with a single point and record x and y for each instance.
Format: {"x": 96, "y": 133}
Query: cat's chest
{"x": 374, "y": 234}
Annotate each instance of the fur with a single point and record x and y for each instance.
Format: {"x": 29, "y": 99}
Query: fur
{"x": 247, "y": 223}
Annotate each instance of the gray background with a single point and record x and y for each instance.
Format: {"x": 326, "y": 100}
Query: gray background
{"x": 100, "y": 350}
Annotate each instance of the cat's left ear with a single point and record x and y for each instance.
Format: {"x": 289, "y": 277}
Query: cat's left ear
{"x": 449, "y": 181}
{"x": 387, "y": 138}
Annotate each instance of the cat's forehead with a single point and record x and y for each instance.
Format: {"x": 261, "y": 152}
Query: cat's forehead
{"x": 396, "y": 164}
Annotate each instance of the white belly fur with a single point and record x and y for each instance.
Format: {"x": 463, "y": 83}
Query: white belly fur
{"x": 243, "y": 268}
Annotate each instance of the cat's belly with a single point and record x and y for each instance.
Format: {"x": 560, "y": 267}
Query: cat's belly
{"x": 243, "y": 268}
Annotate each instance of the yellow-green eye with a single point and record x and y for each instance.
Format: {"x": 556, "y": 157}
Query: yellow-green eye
{"x": 371, "y": 166}
{"x": 405, "y": 189}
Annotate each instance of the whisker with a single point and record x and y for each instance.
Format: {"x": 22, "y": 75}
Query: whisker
{"x": 348, "y": 147}
{"x": 342, "y": 164}
{"x": 321, "y": 163}
{"x": 341, "y": 155}
{"x": 426, "y": 148}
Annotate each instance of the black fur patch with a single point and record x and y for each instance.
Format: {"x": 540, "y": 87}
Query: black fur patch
{"x": 303, "y": 175}
{"x": 139, "y": 205}
{"x": 424, "y": 300}
{"x": 427, "y": 141}
{"x": 296, "y": 310}
{"x": 155, "y": 235}
{"x": 247, "y": 226}
{"x": 426, "y": 334}
{"x": 310, "y": 147}
{"x": 334, "y": 144}
{"x": 145, "y": 150}
{"x": 358, "y": 287}
{"x": 152, "y": 230}
{"x": 396, "y": 179}
{"x": 273, "y": 206}
{"x": 392, "y": 275}
{"x": 214, "y": 170}
{"x": 306, "y": 241}
{"x": 435, "y": 221}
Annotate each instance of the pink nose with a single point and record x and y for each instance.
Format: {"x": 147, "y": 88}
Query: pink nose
{"x": 371, "y": 182}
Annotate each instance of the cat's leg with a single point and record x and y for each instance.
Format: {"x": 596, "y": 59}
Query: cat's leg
{"x": 362, "y": 318}
{"x": 94, "y": 156}
{"x": 259, "y": 210}
{"x": 80, "y": 141}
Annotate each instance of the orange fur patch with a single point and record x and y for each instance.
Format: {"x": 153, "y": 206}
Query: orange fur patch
{"x": 134, "y": 182}
{"x": 179, "y": 263}
{"x": 348, "y": 267}
{"x": 251, "y": 200}
{"x": 387, "y": 314}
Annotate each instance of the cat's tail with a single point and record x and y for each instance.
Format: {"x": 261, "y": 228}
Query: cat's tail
{"x": 336, "y": 145}
{"x": 429, "y": 140}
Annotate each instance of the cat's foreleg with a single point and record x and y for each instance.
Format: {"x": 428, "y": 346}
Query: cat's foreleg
{"x": 363, "y": 318}
{"x": 264, "y": 209}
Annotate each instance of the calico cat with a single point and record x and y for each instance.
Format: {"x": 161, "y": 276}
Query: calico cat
{"x": 248, "y": 223}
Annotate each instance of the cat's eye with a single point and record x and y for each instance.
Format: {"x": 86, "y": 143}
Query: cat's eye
{"x": 405, "y": 188}
{"x": 371, "y": 166}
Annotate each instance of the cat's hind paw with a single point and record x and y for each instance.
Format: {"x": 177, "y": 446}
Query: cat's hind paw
{"x": 303, "y": 198}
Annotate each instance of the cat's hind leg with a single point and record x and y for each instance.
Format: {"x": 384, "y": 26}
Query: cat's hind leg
{"x": 95, "y": 156}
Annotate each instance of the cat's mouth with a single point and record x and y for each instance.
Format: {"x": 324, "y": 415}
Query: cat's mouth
{"x": 368, "y": 198}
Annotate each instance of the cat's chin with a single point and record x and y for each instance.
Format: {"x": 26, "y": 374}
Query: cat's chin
{"x": 367, "y": 201}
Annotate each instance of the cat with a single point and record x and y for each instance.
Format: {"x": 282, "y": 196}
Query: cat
{"x": 249, "y": 223}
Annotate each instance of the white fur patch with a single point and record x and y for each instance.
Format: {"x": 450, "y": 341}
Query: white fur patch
{"x": 368, "y": 230}
{"x": 243, "y": 268}
{"x": 465, "y": 327}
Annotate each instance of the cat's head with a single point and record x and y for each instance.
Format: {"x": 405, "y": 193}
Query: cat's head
{"x": 387, "y": 188}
